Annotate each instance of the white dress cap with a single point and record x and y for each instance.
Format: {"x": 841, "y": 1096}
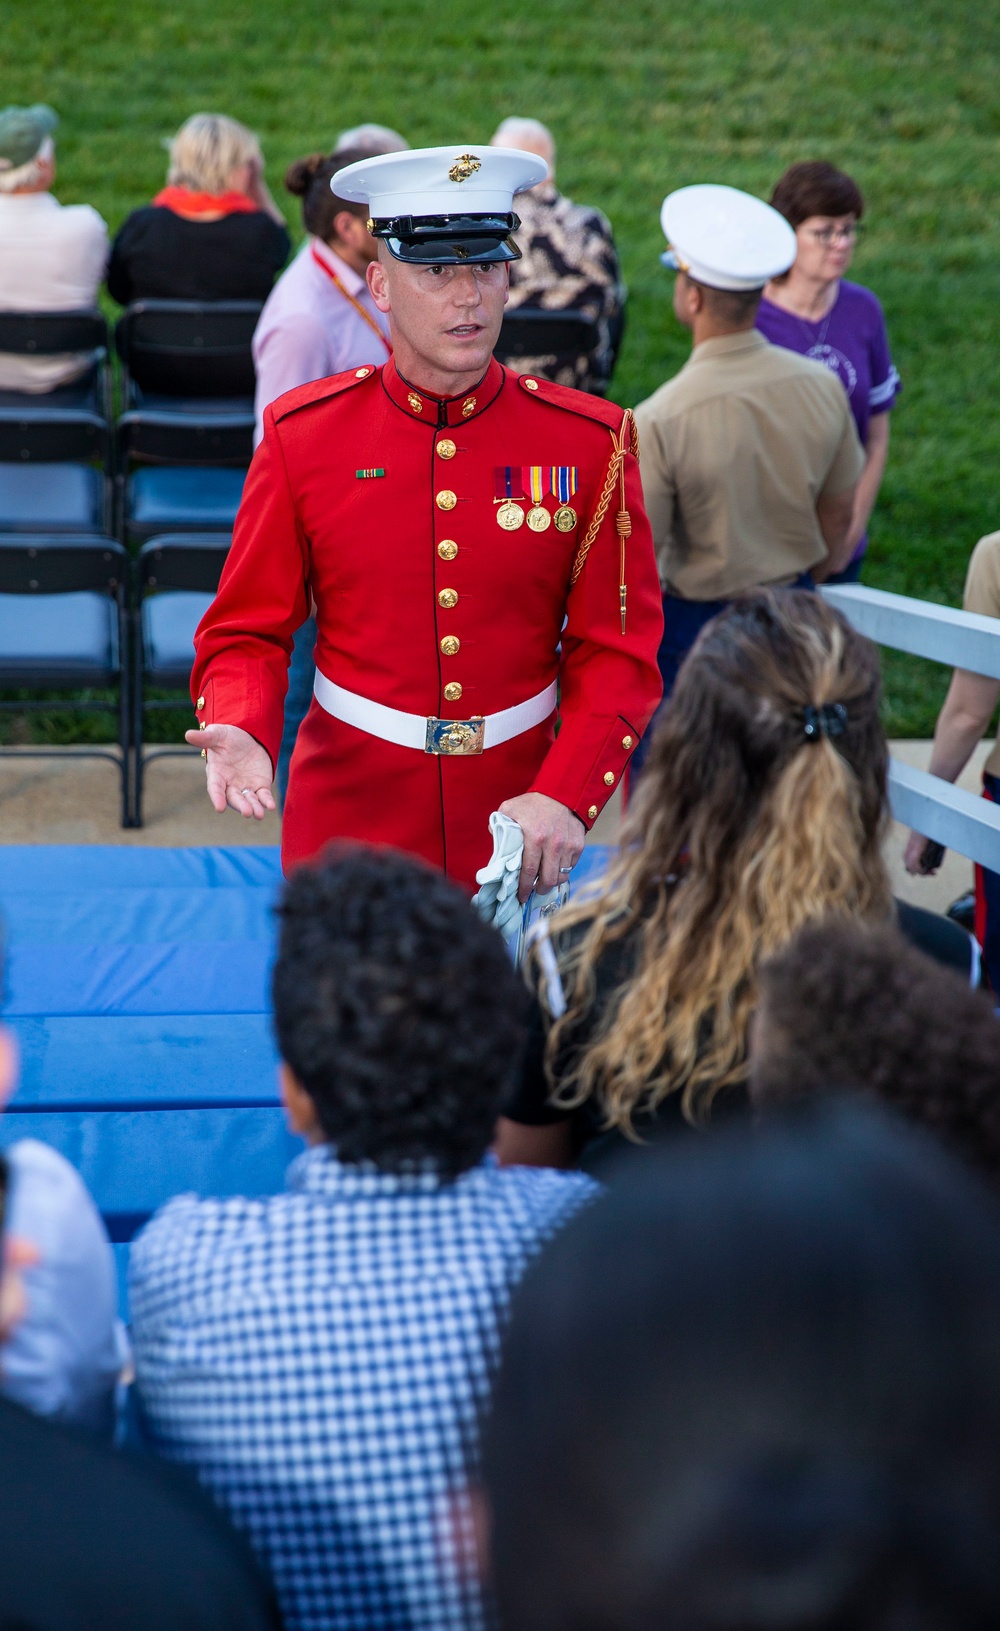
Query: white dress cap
{"x": 725, "y": 238}
{"x": 466, "y": 180}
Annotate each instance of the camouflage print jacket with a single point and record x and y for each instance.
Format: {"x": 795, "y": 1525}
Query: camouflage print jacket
{"x": 569, "y": 263}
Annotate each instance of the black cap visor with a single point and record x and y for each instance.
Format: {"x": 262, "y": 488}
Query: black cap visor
{"x": 449, "y": 240}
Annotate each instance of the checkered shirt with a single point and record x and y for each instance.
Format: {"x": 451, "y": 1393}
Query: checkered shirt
{"x": 321, "y": 1357}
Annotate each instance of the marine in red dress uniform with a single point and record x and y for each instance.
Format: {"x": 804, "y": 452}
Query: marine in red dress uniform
{"x": 463, "y": 556}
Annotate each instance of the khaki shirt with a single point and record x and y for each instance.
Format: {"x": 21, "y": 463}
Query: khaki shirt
{"x": 982, "y": 594}
{"x": 735, "y": 451}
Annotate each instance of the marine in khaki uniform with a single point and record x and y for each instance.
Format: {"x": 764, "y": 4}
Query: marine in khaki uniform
{"x": 476, "y": 549}
{"x": 749, "y": 455}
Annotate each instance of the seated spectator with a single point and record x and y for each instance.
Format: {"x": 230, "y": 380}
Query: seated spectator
{"x": 757, "y": 1388}
{"x": 319, "y": 320}
{"x": 213, "y": 233}
{"x": 368, "y": 141}
{"x": 762, "y": 807}
{"x": 93, "y": 1539}
{"x": 813, "y": 309}
{"x": 67, "y": 1352}
{"x": 962, "y": 723}
{"x": 568, "y": 263}
{"x": 848, "y": 1007}
{"x": 52, "y": 255}
{"x": 319, "y": 1356}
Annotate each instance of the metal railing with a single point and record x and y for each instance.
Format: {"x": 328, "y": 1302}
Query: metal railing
{"x": 959, "y": 820}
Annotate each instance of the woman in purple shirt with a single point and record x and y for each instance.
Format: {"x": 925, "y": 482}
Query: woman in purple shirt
{"x": 815, "y": 311}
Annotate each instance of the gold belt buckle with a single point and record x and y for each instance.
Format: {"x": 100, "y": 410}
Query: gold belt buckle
{"x": 455, "y": 736}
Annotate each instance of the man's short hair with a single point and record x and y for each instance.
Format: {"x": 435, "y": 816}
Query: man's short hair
{"x": 370, "y": 141}
{"x": 397, "y": 1009}
{"x": 27, "y": 176}
{"x": 757, "y": 1388}
{"x": 735, "y": 307}
{"x": 844, "y": 1006}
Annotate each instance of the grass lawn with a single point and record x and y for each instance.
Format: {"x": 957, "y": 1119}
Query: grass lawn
{"x": 642, "y": 97}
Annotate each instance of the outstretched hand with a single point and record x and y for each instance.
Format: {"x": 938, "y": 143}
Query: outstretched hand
{"x": 237, "y": 769}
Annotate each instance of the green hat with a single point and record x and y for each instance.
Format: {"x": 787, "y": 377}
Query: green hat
{"x": 22, "y": 132}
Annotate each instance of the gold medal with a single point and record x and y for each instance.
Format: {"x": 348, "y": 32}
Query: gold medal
{"x": 565, "y": 518}
{"x": 510, "y": 516}
{"x": 539, "y": 518}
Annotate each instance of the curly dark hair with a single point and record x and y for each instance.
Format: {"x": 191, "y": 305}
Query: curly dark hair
{"x": 846, "y": 1006}
{"x": 397, "y": 1009}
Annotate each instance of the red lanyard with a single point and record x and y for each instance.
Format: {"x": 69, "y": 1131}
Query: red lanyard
{"x": 358, "y": 307}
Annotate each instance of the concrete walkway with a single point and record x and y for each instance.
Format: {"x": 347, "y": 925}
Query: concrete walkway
{"x": 74, "y": 800}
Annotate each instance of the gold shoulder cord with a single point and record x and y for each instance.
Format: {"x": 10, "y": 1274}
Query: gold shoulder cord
{"x": 624, "y": 440}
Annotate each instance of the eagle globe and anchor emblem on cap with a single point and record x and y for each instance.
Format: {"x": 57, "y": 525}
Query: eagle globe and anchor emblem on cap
{"x": 464, "y": 166}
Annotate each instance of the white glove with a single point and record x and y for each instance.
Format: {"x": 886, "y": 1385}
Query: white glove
{"x": 496, "y": 901}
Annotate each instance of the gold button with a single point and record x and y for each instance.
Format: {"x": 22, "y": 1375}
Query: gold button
{"x": 362, "y": 373}
{"x": 200, "y": 703}
{"x": 447, "y": 549}
{"x": 445, "y": 500}
{"x": 453, "y": 691}
{"x": 531, "y": 385}
{"x": 446, "y": 448}
{"x": 626, "y": 742}
{"x": 450, "y": 645}
{"x": 609, "y": 778}
{"x": 592, "y": 813}
{"x": 447, "y": 598}
{"x": 202, "y": 725}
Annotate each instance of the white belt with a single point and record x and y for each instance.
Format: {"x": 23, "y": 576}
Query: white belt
{"x": 428, "y": 734}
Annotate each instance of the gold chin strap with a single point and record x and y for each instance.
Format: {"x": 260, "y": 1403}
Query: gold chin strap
{"x": 624, "y": 440}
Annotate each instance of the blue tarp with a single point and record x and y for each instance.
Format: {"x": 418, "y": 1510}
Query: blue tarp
{"x": 137, "y": 984}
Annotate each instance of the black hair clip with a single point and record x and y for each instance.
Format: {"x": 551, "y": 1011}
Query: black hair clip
{"x": 830, "y": 720}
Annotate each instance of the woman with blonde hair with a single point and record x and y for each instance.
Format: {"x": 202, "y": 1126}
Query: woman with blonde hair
{"x": 213, "y": 233}
{"x": 762, "y": 806}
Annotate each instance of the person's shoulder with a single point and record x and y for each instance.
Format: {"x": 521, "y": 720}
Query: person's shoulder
{"x": 139, "y": 221}
{"x": 564, "y": 399}
{"x": 79, "y": 220}
{"x": 43, "y": 1178}
{"x": 189, "y": 1226}
{"x": 323, "y": 393}
{"x": 861, "y": 304}
{"x": 670, "y": 398}
{"x": 536, "y": 1199}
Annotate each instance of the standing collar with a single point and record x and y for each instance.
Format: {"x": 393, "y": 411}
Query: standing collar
{"x": 723, "y": 345}
{"x": 318, "y": 1172}
{"x": 437, "y": 412}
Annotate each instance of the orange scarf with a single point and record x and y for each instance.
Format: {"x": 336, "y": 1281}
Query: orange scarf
{"x": 184, "y": 201}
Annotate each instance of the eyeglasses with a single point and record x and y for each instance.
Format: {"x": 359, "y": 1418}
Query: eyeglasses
{"x": 831, "y": 235}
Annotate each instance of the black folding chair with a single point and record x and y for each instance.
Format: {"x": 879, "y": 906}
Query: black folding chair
{"x": 52, "y": 333}
{"x": 188, "y": 356}
{"x": 54, "y": 471}
{"x": 63, "y": 625}
{"x": 186, "y": 438}
{"x": 177, "y": 576}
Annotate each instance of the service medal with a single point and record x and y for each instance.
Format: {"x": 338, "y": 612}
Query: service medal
{"x": 510, "y": 516}
{"x": 507, "y": 487}
{"x": 535, "y": 481}
{"x": 564, "y": 480}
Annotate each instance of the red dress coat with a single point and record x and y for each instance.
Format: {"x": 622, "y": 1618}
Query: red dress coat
{"x": 356, "y": 497}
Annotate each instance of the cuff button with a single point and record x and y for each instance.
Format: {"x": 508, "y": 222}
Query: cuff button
{"x": 609, "y": 778}
{"x": 626, "y": 742}
{"x": 592, "y": 813}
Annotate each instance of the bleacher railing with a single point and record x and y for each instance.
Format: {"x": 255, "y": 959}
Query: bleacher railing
{"x": 959, "y": 820}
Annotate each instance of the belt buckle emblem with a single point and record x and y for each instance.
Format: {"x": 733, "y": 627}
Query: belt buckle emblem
{"x": 458, "y": 737}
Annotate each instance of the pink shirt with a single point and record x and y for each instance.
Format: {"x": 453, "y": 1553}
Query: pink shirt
{"x": 309, "y": 329}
